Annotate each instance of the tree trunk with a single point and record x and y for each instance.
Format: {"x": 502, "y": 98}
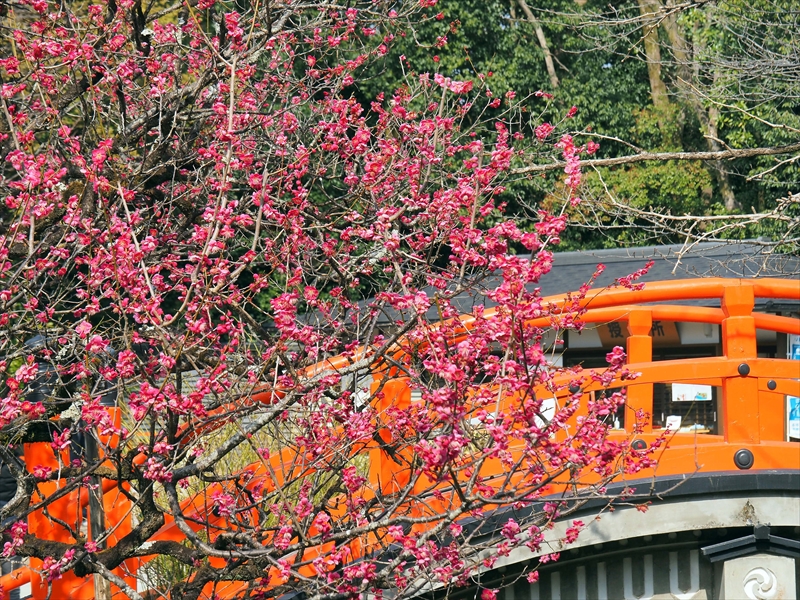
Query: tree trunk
{"x": 678, "y": 45}
{"x": 650, "y": 9}
{"x": 548, "y": 58}
{"x": 688, "y": 79}
{"x": 721, "y": 174}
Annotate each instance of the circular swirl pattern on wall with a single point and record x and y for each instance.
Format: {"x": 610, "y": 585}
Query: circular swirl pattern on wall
{"x": 760, "y": 584}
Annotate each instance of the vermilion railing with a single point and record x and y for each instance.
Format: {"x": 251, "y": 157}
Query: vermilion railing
{"x": 752, "y": 421}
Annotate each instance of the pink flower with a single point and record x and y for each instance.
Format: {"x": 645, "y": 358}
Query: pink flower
{"x": 550, "y": 557}
{"x": 457, "y": 87}
{"x": 224, "y": 504}
{"x": 157, "y": 471}
{"x": 100, "y": 154}
{"x": 616, "y": 358}
{"x": 18, "y": 532}
{"x": 543, "y": 130}
{"x": 573, "y": 531}
{"x": 42, "y": 472}
{"x": 27, "y": 371}
{"x": 60, "y": 440}
{"x": 283, "y": 538}
{"x": 510, "y": 530}
{"x": 96, "y": 344}
{"x": 83, "y": 328}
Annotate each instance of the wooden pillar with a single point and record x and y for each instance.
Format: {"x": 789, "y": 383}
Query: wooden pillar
{"x": 640, "y": 350}
{"x": 772, "y": 416}
{"x": 118, "y": 512}
{"x": 388, "y": 474}
{"x": 740, "y": 410}
{"x": 67, "y": 509}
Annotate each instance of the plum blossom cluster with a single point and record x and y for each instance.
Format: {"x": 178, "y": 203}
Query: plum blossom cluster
{"x": 227, "y": 300}
{"x": 18, "y": 531}
{"x": 53, "y": 568}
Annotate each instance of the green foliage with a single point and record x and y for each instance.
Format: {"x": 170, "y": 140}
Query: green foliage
{"x": 163, "y": 573}
{"x": 682, "y": 188}
{"x": 735, "y": 79}
{"x": 745, "y": 126}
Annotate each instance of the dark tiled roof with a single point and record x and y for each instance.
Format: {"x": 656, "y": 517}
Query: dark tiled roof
{"x": 703, "y": 260}
{"x": 733, "y": 260}
{"x": 573, "y": 269}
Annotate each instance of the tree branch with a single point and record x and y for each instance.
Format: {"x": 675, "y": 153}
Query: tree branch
{"x": 662, "y": 156}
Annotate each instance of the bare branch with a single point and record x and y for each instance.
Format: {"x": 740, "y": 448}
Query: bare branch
{"x": 663, "y": 156}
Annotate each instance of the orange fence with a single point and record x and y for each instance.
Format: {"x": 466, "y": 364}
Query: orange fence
{"x": 752, "y": 423}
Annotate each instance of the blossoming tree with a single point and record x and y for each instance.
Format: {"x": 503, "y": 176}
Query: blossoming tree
{"x": 216, "y": 266}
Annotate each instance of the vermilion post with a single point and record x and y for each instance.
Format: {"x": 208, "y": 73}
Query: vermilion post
{"x": 640, "y": 350}
{"x": 119, "y": 512}
{"x": 772, "y": 416}
{"x": 387, "y": 473}
{"x": 740, "y": 416}
{"x": 68, "y": 510}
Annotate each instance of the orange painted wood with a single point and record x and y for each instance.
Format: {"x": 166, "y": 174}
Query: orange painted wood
{"x": 64, "y": 508}
{"x": 640, "y": 350}
{"x": 16, "y": 579}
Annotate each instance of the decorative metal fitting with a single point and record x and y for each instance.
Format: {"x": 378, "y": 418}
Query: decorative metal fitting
{"x": 771, "y": 384}
{"x": 639, "y": 444}
{"x": 744, "y": 459}
{"x": 744, "y": 369}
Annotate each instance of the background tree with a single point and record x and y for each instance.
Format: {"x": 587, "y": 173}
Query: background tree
{"x": 694, "y": 107}
{"x": 198, "y": 215}
{"x": 726, "y": 71}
